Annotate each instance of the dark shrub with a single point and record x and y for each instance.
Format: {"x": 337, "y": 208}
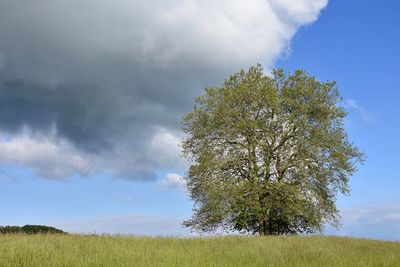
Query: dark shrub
{"x": 30, "y": 229}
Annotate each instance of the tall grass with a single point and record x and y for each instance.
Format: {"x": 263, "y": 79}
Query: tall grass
{"x": 80, "y": 250}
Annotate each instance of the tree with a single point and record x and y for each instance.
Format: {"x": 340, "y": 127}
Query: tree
{"x": 30, "y": 229}
{"x": 268, "y": 154}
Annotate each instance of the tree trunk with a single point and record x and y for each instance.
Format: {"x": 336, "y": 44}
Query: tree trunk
{"x": 264, "y": 228}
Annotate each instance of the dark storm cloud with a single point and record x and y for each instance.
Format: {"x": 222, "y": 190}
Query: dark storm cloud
{"x": 54, "y": 73}
{"x": 113, "y": 78}
{"x": 97, "y": 106}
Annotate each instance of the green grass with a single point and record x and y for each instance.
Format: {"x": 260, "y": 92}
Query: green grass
{"x": 80, "y": 250}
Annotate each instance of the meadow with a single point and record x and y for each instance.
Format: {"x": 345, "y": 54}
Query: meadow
{"x": 91, "y": 250}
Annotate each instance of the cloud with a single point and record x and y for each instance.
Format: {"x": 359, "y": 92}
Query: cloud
{"x": 142, "y": 224}
{"x": 299, "y": 12}
{"x": 5, "y": 176}
{"x": 51, "y": 157}
{"x": 45, "y": 158}
{"x": 123, "y": 199}
{"x": 173, "y": 180}
{"x": 377, "y": 221}
{"x": 366, "y": 115}
{"x": 104, "y": 83}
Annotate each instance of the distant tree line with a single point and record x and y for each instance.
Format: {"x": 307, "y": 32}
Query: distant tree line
{"x": 30, "y": 229}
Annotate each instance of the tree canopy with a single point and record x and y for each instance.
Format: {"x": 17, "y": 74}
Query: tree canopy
{"x": 268, "y": 154}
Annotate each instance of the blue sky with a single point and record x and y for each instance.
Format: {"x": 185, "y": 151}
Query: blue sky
{"x": 355, "y": 43}
{"x": 89, "y": 125}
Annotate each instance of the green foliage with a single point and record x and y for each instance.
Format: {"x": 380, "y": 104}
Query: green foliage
{"x": 82, "y": 251}
{"x": 268, "y": 154}
{"x": 30, "y": 229}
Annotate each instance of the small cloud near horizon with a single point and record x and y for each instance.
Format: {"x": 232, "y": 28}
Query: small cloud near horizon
{"x": 375, "y": 221}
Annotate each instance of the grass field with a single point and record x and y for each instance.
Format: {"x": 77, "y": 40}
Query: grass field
{"x": 77, "y": 250}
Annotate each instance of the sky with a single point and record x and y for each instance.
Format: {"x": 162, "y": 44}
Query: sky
{"x": 92, "y": 93}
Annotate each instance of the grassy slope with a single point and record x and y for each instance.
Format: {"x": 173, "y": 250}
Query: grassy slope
{"x": 75, "y": 250}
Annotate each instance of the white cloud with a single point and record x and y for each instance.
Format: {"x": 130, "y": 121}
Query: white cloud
{"x": 215, "y": 33}
{"x": 164, "y": 149}
{"x": 366, "y": 115}
{"x": 173, "y": 180}
{"x": 45, "y": 157}
{"x": 55, "y": 158}
{"x": 299, "y": 12}
{"x": 377, "y": 221}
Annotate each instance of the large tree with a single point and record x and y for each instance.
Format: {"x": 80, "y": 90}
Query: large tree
{"x": 268, "y": 154}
